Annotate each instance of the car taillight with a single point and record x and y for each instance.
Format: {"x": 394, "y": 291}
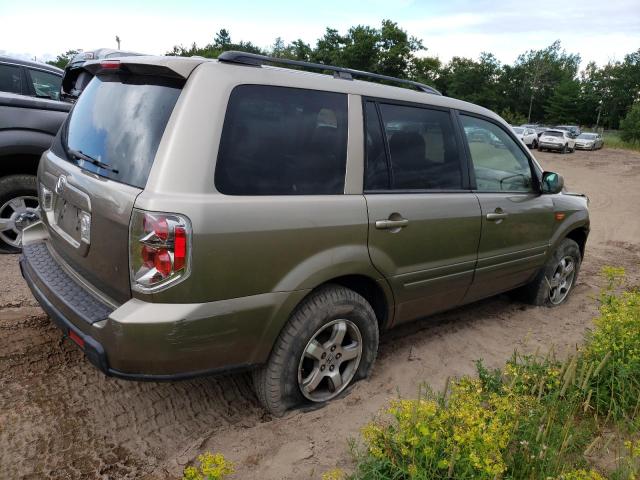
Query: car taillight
{"x": 159, "y": 250}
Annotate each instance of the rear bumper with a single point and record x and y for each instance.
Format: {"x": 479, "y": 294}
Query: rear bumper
{"x": 550, "y": 146}
{"x": 148, "y": 341}
{"x": 584, "y": 147}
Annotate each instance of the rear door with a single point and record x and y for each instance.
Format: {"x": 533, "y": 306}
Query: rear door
{"x": 97, "y": 166}
{"x": 424, "y": 223}
{"x": 516, "y": 219}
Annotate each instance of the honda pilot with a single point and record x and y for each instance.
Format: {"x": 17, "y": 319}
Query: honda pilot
{"x": 203, "y": 216}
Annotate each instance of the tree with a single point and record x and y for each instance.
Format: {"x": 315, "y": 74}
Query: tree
{"x": 562, "y": 106}
{"x": 222, "y": 40}
{"x": 630, "y": 125}
{"x": 63, "y": 59}
{"x": 473, "y": 81}
{"x": 221, "y": 43}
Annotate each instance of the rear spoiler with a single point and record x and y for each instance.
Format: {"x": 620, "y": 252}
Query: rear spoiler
{"x": 172, "y": 67}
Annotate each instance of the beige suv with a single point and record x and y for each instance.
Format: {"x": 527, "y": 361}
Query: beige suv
{"x": 200, "y": 216}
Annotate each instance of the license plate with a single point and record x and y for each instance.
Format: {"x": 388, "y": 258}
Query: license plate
{"x": 67, "y": 218}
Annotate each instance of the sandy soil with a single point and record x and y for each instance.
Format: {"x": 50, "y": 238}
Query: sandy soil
{"x": 61, "y": 419}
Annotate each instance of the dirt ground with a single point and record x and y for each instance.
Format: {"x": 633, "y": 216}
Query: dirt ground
{"x": 62, "y": 419}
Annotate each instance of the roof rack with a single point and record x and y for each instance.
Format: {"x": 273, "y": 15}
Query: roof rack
{"x": 245, "y": 58}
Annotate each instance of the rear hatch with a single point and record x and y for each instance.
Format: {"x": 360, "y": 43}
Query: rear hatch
{"x": 98, "y": 165}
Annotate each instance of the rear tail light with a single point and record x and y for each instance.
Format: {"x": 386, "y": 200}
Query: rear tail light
{"x": 159, "y": 250}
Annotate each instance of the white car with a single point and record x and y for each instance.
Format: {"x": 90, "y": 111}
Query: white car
{"x": 528, "y": 136}
{"x": 554, "y": 139}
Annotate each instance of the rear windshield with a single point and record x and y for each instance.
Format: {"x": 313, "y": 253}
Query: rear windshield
{"x": 553, "y": 134}
{"x": 587, "y": 136}
{"x": 518, "y": 130}
{"x": 118, "y": 121}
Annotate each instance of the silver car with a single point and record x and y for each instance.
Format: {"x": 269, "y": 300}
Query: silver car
{"x": 589, "y": 141}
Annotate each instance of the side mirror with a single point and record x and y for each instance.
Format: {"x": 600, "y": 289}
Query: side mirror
{"x": 552, "y": 182}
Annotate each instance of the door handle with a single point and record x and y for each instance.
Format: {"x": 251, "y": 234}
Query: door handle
{"x": 497, "y": 216}
{"x": 391, "y": 224}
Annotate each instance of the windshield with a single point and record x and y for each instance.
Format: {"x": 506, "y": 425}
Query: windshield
{"x": 553, "y": 134}
{"x": 587, "y": 136}
{"x": 115, "y": 127}
{"x": 518, "y": 130}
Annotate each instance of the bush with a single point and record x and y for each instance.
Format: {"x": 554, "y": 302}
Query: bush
{"x": 630, "y": 125}
{"x": 612, "y": 351}
{"x": 537, "y": 418}
{"x": 212, "y": 467}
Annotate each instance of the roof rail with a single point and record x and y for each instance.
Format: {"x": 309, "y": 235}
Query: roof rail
{"x": 245, "y": 58}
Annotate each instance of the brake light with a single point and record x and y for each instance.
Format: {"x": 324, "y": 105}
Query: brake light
{"x": 159, "y": 250}
{"x": 110, "y": 64}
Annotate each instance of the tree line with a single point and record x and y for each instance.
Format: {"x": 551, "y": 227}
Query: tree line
{"x": 543, "y": 85}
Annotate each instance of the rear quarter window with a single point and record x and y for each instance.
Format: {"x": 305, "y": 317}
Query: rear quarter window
{"x": 283, "y": 141}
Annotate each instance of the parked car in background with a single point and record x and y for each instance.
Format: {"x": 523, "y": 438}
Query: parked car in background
{"x": 528, "y": 136}
{"x": 555, "y": 139}
{"x": 574, "y": 130}
{"x": 31, "y": 79}
{"x": 362, "y": 205}
{"x": 76, "y": 77}
{"x": 589, "y": 141}
{"x": 29, "y": 120}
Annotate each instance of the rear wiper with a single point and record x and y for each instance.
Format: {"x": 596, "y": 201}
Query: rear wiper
{"x": 78, "y": 154}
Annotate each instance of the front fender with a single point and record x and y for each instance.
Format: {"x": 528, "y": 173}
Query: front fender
{"x": 576, "y": 216}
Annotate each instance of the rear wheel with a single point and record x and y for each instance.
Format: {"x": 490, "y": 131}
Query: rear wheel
{"x": 534, "y": 144}
{"x": 18, "y": 209}
{"x": 565, "y": 149}
{"x": 556, "y": 280}
{"x": 330, "y": 341}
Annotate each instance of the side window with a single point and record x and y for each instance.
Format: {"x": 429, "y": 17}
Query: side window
{"x": 46, "y": 85}
{"x": 10, "y": 79}
{"x": 283, "y": 141}
{"x": 498, "y": 162}
{"x": 376, "y": 170}
{"x": 422, "y": 147}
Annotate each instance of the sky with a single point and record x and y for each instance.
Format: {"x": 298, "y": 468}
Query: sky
{"x": 598, "y": 30}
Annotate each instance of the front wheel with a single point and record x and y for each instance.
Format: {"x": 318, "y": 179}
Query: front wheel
{"x": 18, "y": 209}
{"x": 553, "y": 284}
{"x": 330, "y": 341}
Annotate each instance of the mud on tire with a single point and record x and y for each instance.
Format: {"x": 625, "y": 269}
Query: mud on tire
{"x": 277, "y": 382}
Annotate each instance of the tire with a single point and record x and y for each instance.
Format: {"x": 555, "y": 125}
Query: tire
{"x": 564, "y": 149}
{"x": 279, "y": 383}
{"x": 18, "y": 209}
{"x": 534, "y": 144}
{"x": 542, "y": 290}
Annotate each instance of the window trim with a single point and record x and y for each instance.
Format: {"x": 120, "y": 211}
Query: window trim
{"x": 460, "y": 144}
{"x": 289, "y": 87}
{"x": 535, "y": 174}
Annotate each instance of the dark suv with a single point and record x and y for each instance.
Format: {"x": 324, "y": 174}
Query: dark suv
{"x": 30, "y": 116}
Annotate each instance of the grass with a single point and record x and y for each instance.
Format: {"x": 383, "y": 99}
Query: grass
{"x": 536, "y": 418}
{"x": 612, "y": 140}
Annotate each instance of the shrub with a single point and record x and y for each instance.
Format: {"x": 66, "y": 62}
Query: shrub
{"x": 212, "y": 467}
{"x": 612, "y": 352}
{"x": 630, "y": 125}
{"x": 537, "y": 418}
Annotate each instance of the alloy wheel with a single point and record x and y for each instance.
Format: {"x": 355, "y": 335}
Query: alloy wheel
{"x": 330, "y": 360}
{"x": 562, "y": 280}
{"x": 15, "y": 215}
